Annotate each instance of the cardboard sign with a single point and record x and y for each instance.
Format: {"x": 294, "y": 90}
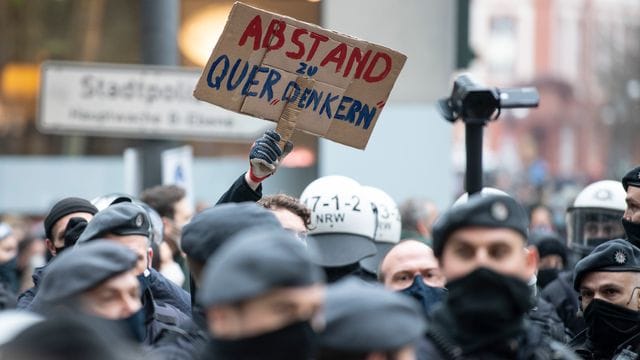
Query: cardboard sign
{"x": 267, "y": 65}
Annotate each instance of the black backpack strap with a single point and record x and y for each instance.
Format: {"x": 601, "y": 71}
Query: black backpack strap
{"x": 536, "y": 346}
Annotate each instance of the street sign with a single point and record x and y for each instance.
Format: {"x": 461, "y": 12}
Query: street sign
{"x": 177, "y": 169}
{"x": 138, "y": 101}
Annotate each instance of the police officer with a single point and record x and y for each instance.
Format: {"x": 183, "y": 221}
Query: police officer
{"x": 481, "y": 246}
{"x": 262, "y": 295}
{"x": 608, "y": 280}
{"x": 210, "y": 229}
{"x": 343, "y": 225}
{"x": 129, "y": 224}
{"x": 56, "y": 225}
{"x": 167, "y": 307}
{"x": 365, "y": 321}
{"x": 97, "y": 279}
{"x": 631, "y": 217}
{"x": 593, "y": 219}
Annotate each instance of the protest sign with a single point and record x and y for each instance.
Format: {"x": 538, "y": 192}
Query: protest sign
{"x": 280, "y": 69}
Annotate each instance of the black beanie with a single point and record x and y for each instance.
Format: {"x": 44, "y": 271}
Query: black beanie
{"x": 550, "y": 244}
{"x": 65, "y": 207}
{"x": 632, "y": 178}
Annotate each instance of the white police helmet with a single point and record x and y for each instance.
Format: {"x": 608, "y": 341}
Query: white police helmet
{"x": 387, "y": 229}
{"x": 343, "y": 221}
{"x": 595, "y": 216}
{"x": 104, "y": 201}
{"x": 485, "y": 191}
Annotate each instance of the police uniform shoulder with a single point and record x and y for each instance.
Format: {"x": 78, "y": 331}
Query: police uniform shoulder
{"x": 491, "y": 210}
{"x": 255, "y": 261}
{"x": 209, "y": 229}
{"x": 614, "y": 255}
{"x": 560, "y": 351}
{"x": 82, "y": 268}
{"x": 365, "y": 317}
{"x": 632, "y": 178}
{"x": 121, "y": 219}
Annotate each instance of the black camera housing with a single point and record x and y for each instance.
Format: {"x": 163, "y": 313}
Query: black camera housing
{"x": 477, "y": 104}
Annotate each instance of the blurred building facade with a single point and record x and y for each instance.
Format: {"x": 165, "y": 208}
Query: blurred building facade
{"x": 583, "y": 56}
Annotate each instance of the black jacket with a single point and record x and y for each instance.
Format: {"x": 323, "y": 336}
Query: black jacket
{"x": 26, "y": 298}
{"x": 240, "y": 192}
{"x": 628, "y": 350}
{"x": 564, "y": 298}
{"x": 527, "y": 342}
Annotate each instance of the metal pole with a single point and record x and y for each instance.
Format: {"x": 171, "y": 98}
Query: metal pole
{"x": 473, "y": 176}
{"x": 159, "y": 32}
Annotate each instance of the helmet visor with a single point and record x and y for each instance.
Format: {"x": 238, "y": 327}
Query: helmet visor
{"x": 590, "y": 227}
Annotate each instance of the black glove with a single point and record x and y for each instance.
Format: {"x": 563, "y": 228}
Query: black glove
{"x": 265, "y": 155}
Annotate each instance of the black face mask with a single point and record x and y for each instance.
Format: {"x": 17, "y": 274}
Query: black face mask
{"x": 486, "y": 307}
{"x": 428, "y": 296}
{"x": 545, "y": 276}
{"x": 633, "y": 231}
{"x": 293, "y": 342}
{"x": 131, "y": 328}
{"x": 75, "y": 228}
{"x": 610, "y": 325}
{"x": 134, "y": 325}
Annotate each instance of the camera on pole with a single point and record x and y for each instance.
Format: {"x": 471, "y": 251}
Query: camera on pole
{"x": 476, "y": 105}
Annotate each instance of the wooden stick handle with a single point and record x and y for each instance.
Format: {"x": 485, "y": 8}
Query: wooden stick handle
{"x": 289, "y": 117}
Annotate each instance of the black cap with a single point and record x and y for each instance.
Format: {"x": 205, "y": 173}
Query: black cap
{"x": 254, "y": 262}
{"x": 613, "y": 255}
{"x": 209, "y": 229}
{"x": 363, "y": 317}
{"x": 65, "y": 207}
{"x": 82, "y": 268}
{"x": 549, "y": 243}
{"x": 120, "y": 219}
{"x": 632, "y": 178}
{"x": 491, "y": 211}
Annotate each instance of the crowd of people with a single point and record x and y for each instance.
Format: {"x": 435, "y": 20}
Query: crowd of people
{"x": 342, "y": 272}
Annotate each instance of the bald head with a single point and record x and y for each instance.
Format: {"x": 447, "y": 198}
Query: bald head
{"x": 405, "y": 261}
